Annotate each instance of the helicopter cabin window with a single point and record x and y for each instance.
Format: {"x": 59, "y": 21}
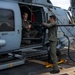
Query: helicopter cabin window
{"x": 6, "y": 20}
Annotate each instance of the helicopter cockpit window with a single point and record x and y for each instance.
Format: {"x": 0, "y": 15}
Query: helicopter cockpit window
{"x": 6, "y": 20}
{"x": 49, "y": 1}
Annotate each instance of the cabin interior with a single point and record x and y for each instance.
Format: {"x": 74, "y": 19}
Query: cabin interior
{"x": 35, "y": 18}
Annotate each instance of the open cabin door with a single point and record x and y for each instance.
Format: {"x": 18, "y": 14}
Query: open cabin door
{"x": 35, "y": 18}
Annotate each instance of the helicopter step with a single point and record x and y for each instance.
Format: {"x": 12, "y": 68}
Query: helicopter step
{"x": 11, "y": 60}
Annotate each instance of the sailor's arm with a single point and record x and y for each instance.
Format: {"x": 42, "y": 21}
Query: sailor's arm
{"x": 49, "y": 24}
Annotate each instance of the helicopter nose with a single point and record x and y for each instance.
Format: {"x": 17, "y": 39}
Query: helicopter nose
{"x": 2, "y": 43}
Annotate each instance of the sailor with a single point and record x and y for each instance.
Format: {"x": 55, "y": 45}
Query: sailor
{"x": 52, "y": 35}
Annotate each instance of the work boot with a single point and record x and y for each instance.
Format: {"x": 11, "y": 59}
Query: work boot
{"x": 54, "y": 71}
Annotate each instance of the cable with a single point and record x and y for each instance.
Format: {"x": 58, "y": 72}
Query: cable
{"x": 69, "y": 48}
{"x": 68, "y": 42}
{"x": 68, "y": 45}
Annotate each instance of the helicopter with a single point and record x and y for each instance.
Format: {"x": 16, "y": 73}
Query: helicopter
{"x": 11, "y": 16}
{"x": 11, "y": 21}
